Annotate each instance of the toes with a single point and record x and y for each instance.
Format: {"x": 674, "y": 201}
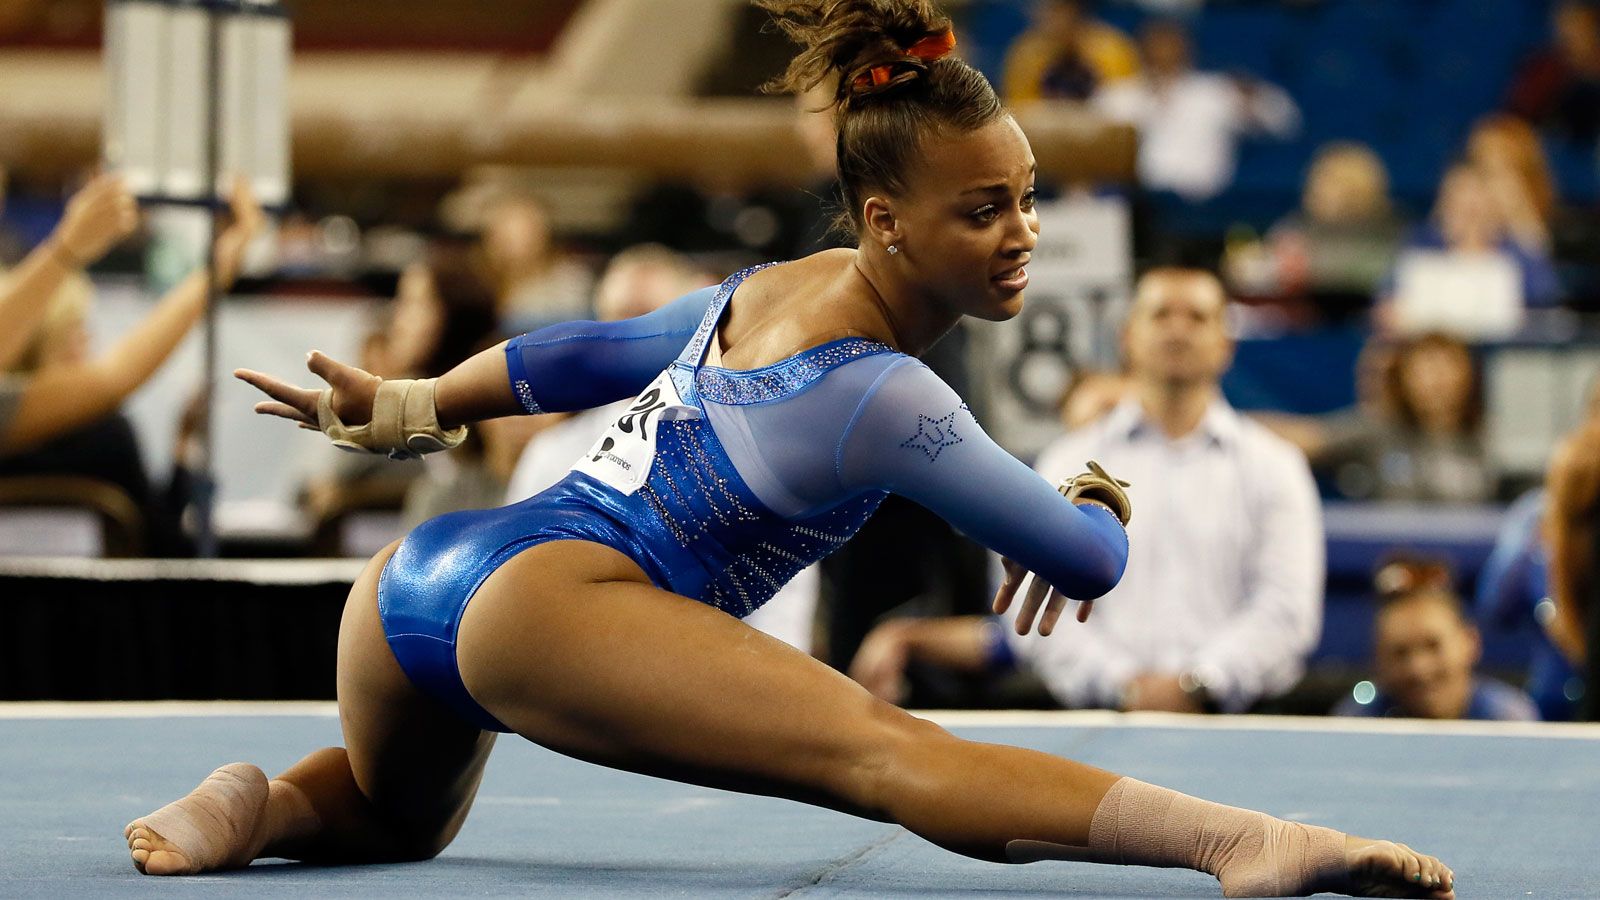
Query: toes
{"x": 165, "y": 862}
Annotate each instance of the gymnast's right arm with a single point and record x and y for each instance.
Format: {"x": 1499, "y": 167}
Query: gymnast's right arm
{"x": 912, "y": 435}
{"x": 570, "y": 365}
{"x": 567, "y": 366}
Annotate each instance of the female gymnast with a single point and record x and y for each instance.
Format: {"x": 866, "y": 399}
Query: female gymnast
{"x": 601, "y": 617}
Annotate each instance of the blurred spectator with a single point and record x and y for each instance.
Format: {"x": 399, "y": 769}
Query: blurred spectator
{"x": 1425, "y": 649}
{"x": 59, "y": 415}
{"x": 442, "y": 309}
{"x": 1558, "y": 90}
{"x": 1189, "y": 122}
{"x": 99, "y": 215}
{"x": 1514, "y": 592}
{"x": 1065, "y": 55}
{"x": 1091, "y": 394}
{"x": 1222, "y": 598}
{"x": 1572, "y": 529}
{"x": 12, "y": 247}
{"x": 67, "y": 396}
{"x": 1465, "y": 272}
{"x": 61, "y": 337}
{"x": 1507, "y": 151}
{"x": 1416, "y": 433}
{"x": 533, "y": 282}
{"x": 1341, "y": 243}
{"x": 106, "y": 449}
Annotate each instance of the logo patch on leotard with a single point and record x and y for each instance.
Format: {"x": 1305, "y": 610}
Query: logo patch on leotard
{"x": 933, "y": 435}
{"x": 623, "y": 455}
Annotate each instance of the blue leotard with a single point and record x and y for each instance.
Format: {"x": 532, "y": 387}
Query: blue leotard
{"x": 723, "y": 484}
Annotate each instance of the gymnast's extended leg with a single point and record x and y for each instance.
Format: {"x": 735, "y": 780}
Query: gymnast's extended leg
{"x": 570, "y": 645}
{"x": 399, "y": 789}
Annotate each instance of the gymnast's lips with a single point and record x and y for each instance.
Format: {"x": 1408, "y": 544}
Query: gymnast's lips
{"x": 1013, "y": 279}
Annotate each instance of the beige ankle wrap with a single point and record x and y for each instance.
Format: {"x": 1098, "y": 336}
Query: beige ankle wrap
{"x": 1251, "y": 853}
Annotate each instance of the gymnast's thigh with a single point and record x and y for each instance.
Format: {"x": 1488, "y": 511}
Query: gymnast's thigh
{"x": 415, "y": 759}
{"x": 570, "y": 645}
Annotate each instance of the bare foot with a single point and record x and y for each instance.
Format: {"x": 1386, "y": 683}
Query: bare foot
{"x": 217, "y": 826}
{"x": 1387, "y": 869}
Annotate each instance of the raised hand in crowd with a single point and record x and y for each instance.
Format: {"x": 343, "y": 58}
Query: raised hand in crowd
{"x": 98, "y": 216}
{"x": 66, "y": 398}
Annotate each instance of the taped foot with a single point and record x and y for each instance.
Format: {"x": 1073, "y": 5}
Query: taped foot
{"x": 217, "y": 826}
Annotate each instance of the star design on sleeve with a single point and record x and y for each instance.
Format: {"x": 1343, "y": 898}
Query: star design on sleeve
{"x": 933, "y": 435}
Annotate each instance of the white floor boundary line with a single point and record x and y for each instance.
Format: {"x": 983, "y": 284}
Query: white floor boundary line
{"x": 51, "y": 709}
{"x": 957, "y": 718}
{"x": 160, "y": 709}
{"x": 262, "y": 571}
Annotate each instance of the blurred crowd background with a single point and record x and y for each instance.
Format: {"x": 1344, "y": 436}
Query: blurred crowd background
{"x": 1400, "y": 200}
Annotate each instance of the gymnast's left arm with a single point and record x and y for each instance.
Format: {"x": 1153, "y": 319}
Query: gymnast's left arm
{"x": 912, "y": 435}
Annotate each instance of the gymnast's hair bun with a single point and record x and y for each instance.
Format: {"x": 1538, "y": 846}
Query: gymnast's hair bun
{"x": 868, "y": 48}
{"x": 896, "y": 86}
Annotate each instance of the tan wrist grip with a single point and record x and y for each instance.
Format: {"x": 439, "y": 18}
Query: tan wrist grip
{"x": 1099, "y": 485}
{"x": 404, "y": 425}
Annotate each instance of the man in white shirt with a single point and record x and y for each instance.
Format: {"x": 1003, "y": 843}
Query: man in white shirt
{"x": 1222, "y": 598}
{"x": 1190, "y": 122}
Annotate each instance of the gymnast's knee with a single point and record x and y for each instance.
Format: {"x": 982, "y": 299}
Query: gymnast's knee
{"x": 901, "y": 755}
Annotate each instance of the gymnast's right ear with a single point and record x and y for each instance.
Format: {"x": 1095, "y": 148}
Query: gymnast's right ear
{"x": 881, "y": 226}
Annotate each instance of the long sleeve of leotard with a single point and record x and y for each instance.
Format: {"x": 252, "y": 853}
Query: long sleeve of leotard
{"x": 912, "y": 435}
{"x": 581, "y": 365}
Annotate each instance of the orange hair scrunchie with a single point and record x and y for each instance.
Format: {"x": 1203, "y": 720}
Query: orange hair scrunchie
{"x": 931, "y": 48}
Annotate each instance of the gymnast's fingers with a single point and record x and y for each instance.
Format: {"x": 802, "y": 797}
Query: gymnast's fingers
{"x": 302, "y": 400}
{"x": 284, "y": 411}
{"x": 1031, "y": 603}
{"x": 1053, "y": 608}
{"x": 338, "y": 375}
{"x": 1084, "y": 609}
{"x": 1014, "y": 573}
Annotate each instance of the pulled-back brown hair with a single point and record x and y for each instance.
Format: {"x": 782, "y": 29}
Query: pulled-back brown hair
{"x": 881, "y": 123}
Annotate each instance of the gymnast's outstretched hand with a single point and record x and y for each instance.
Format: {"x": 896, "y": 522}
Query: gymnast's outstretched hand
{"x": 1095, "y": 487}
{"x": 1038, "y": 591}
{"x": 353, "y": 391}
{"x": 359, "y": 411}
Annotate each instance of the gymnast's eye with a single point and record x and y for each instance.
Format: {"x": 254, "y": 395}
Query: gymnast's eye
{"x": 985, "y": 214}
{"x": 1028, "y": 197}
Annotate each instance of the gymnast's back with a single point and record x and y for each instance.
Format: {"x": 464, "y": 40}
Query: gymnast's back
{"x": 722, "y": 484}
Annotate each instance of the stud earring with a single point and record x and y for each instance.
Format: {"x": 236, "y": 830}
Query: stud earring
{"x": 893, "y": 249}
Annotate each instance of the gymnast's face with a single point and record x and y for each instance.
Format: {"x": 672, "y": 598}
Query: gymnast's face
{"x": 966, "y": 225}
{"x": 1425, "y": 654}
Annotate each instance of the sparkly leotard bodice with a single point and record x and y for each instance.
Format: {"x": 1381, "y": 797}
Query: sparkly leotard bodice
{"x": 704, "y": 532}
